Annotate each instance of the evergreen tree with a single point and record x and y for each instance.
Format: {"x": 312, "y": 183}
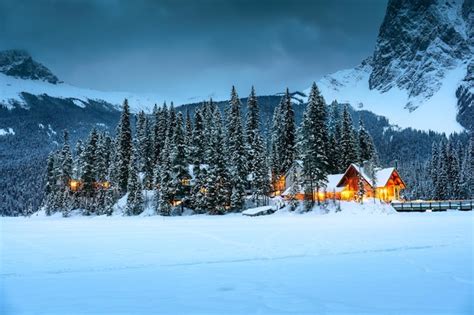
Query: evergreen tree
{"x": 288, "y": 134}
{"x": 78, "y": 161}
{"x": 180, "y": 174}
{"x": 466, "y": 182}
{"x": 89, "y": 167}
{"x": 102, "y": 158}
{"x": 188, "y": 138}
{"x": 433, "y": 170}
{"x": 198, "y": 199}
{"x": 165, "y": 193}
{"x": 217, "y": 191}
{"x": 452, "y": 166}
{"x": 147, "y": 155}
{"x": 366, "y": 144}
{"x": 441, "y": 188}
{"x": 66, "y": 161}
{"x": 256, "y": 161}
{"x": 124, "y": 148}
{"x": 314, "y": 143}
{"x": 142, "y": 139}
{"x": 109, "y": 201}
{"x": 275, "y": 156}
{"x": 50, "y": 184}
{"x": 283, "y": 138}
{"x": 347, "y": 141}
{"x": 198, "y": 142}
{"x": 236, "y": 151}
{"x": 160, "y": 130}
{"x": 135, "y": 196}
{"x": 171, "y": 123}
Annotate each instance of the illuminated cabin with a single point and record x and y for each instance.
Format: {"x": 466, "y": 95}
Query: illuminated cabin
{"x": 77, "y": 185}
{"x": 345, "y": 186}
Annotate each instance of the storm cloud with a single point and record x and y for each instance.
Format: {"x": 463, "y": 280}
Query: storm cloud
{"x": 186, "y": 50}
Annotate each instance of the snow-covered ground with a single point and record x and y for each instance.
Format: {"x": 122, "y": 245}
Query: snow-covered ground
{"x": 282, "y": 263}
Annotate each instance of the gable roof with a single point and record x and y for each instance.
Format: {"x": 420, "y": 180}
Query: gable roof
{"x": 382, "y": 175}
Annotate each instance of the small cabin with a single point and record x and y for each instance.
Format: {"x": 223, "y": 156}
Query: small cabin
{"x": 345, "y": 186}
{"x": 77, "y": 185}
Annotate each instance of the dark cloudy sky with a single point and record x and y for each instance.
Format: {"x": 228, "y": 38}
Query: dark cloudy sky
{"x": 191, "y": 48}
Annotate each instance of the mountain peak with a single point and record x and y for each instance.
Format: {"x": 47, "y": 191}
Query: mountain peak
{"x": 19, "y": 64}
{"x": 418, "y": 42}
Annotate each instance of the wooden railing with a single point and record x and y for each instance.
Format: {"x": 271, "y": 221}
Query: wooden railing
{"x": 434, "y": 205}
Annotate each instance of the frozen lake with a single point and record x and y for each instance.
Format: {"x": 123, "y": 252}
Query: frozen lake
{"x": 284, "y": 263}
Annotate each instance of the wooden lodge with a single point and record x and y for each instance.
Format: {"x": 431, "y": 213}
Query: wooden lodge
{"x": 76, "y": 185}
{"x": 345, "y": 186}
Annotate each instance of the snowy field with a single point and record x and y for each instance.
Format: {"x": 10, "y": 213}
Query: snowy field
{"x": 420, "y": 263}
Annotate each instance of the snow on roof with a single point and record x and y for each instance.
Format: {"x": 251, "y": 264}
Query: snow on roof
{"x": 331, "y": 185}
{"x": 382, "y": 175}
{"x": 333, "y": 180}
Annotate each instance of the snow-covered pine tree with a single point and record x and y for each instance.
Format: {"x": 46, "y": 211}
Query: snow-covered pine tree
{"x": 78, "y": 154}
{"x": 433, "y": 170}
{"x": 348, "y": 143}
{"x": 180, "y": 173}
{"x": 141, "y": 139}
{"x": 283, "y": 138}
{"x": 197, "y": 198}
{"x": 236, "y": 151}
{"x": 159, "y": 132}
{"x": 275, "y": 156}
{"x": 294, "y": 190}
{"x": 147, "y": 155}
{"x": 314, "y": 144}
{"x": 366, "y": 144}
{"x": 441, "y": 188}
{"x": 89, "y": 172}
{"x": 334, "y": 130}
{"x": 102, "y": 158}
{"x": 109, "y": 202}
{"x": 50, "y": 184}
{"x": 255, "y": 149}
{"x": 218, "y": 188}
{"x": 334, "y": 117}
{"x": 452, "y": 166}
{"x": 188, "y": 138}
{"x": 66, "y": 161}
{"x": 134, "y": 204}
{"x": 89, "y": 167}
{"x": 124, "y": 148}
{"x": 467, "y": 171}
{"x": 288, "y": 134}
{"x": 165, "y": 194}
{"x": 171, "y": 121}
{"x": 198, "y": 142}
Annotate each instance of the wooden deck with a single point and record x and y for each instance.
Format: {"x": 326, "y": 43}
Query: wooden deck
{"x": 441, "y": 205}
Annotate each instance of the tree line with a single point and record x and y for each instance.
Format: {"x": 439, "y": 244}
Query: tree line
{"x": 214, "y": 162}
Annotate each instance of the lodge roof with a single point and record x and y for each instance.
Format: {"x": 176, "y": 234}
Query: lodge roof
{"x": 382, "y": 175}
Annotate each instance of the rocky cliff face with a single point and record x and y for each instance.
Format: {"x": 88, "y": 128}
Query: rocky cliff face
{"x": 19, "y": 64}
{"x": 418, "y": 42}
{"x": 423, "y": 58}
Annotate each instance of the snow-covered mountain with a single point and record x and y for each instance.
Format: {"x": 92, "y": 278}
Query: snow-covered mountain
{"x": 19, "y": 74}
{"x": 421, "y": 72}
